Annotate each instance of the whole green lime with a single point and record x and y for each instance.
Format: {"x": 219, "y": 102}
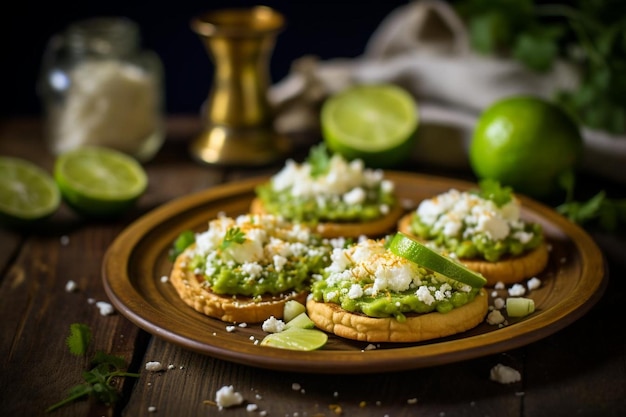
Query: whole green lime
{"x": 526, "y": 143}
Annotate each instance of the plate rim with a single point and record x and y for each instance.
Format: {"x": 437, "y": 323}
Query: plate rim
{"x": 130, "y": 304}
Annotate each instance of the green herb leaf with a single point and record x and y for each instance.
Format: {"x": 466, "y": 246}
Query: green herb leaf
{"x": 610, "y": 214}
{"x": 537, "y": 48}
{"x": 492, "y": 190}
{"x": 319, "y": 159}
{"x": 78, "y": 339}
{"x": 182, "y": 242}
{"x": 99, "y": 380}
{"x": 233, "y": 235}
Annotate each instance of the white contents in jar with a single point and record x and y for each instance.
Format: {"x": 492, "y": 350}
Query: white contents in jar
{"x": 109, "y": 103}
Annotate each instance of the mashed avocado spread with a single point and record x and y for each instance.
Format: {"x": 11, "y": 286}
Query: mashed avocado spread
{"x": 327, "y": 188}
{"x": 367, "y": 278}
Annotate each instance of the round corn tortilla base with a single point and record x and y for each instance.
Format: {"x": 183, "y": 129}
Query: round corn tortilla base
{"x": 377, "y": 227}
{"x": 333, "y": 319}
{"x": 228, "y": 308}
{"x": 509, "y": 270}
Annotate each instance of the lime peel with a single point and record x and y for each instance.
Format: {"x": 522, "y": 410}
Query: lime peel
{"x": 409, "y": 248}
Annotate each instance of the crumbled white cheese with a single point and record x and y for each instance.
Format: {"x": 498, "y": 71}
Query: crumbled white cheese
{"x": 154, "y": 366}
{"x": 105, "y": 308}
{"x": 533, "y": 283}
{"x": 296, "y": 386}
{"x": 499, "y": 285}
{"x": 355, "y": 196}
{"x": 230, "y": 328}
{"x": 499, "y": 303}
{"x": 517, "y": 290}
{"x": 165, "y": 278}
{"x": 227, "y": 397}
{"x": 273, "y": 325}
{"x": 495, "y": 317}
{"x": 504, "y": 374}
{"x": 251, "y": 407}
{"x": 70, "y": 286}
{"x": 152, "y": 409}
{"x": 411, "y": 401}
{"x": 65, "y": 240}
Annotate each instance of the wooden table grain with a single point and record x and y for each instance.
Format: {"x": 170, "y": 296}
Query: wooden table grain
{"x": 578, "y": 371}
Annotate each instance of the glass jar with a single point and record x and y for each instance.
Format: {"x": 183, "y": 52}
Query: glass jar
{"x": 99, "y": 88}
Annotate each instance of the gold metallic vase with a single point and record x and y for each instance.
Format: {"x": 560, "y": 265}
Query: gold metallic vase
{"x": 238, "y": 119}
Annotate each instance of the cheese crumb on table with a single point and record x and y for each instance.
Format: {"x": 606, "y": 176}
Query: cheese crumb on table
{"x": 105, "y": 308}
{"x": 70, "y": 286}
{"x": 154, "y": 366}
{"x": 227, "y": 397}
{"x": 504, "y": 374}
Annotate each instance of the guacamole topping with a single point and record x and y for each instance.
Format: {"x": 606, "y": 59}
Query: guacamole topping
{"x": 253, "y": 255}
{"x": 470, "y": 226}
{"x": 367, "y": 278}
{"x": 327, "y": 188}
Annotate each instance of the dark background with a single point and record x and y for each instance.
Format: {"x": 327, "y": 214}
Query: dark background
{"x": 327, "y": 29}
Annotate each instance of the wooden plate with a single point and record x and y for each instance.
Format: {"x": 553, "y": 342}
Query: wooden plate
{"x": 133, "y": 266}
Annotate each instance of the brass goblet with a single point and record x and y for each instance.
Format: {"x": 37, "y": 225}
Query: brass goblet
{"x": 238, "y": 121}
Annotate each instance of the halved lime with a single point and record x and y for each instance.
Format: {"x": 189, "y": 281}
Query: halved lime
{"x": 373, "y": 122}
{"x": 414, "y": 251}
{"x": 27, "y": 192}
{"x": 99, "y": 182}
{"x": 296, "y": 338}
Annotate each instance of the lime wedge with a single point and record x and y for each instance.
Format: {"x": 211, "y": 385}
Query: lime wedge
{"x": 406, "y": 247}
{"x": 27, "y": 192}
{"x": 293, "y": 308}
{"x": 99, "y": 182}
{"x": 296, "y": 338}
{"x": 302, "y": 321}
{"x": 376, "y": 123}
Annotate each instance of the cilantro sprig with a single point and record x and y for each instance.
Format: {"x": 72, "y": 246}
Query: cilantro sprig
{"x": 184, "y": 240}
{"x": 233, "y": 235}
{"x": 319, "y": 159}
{"x": 99, "y": 380}
{"x": 494, "y": 191}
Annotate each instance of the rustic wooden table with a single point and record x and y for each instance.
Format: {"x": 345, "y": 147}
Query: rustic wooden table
{"x": 580, "y": 370}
